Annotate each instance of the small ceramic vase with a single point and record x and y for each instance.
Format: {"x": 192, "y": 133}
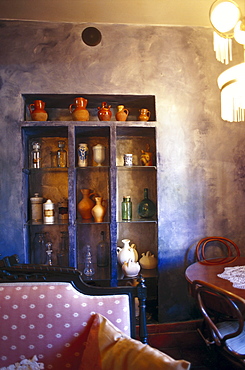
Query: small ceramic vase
{"x": 99, "y": 154}
{"x": 122, "y": 113}
{"x": 131, "y": 268}
{"x": 86, "y": 204}
{"x": 37, "y": 111}
{"x": 78, "y": 110}
{"x": 98, "y": 211}
{"x": 104, "y": 112}
{"x": 144, "y": 115}
{"x": 148, "y": 261}
{"x": 127, "y": 252}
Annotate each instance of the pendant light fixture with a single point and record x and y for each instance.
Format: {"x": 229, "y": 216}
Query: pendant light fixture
{"x": 228, "y": 23}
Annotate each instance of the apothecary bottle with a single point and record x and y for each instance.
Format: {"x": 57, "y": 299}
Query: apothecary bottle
{"x": 146, "y": 208}
{"x": 102, "y": 251}
{"x": 62, "y": 255}
{"x": 61, "y": 155}
{"x": 36, "y": 155}
{"x": 126, "y": 208}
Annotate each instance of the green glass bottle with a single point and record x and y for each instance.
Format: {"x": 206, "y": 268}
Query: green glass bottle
{"x": 146, "y": 208}
{"x": 126, "y": 209}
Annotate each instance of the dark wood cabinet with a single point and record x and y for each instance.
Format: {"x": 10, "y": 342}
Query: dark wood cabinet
{"x": 112, "y": 181}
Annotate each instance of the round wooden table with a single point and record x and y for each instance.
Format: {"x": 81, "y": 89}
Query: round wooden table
{"x": 208, "y": 273}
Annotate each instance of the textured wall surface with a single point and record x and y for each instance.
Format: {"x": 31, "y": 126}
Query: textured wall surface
{"x": 201, "y": 175}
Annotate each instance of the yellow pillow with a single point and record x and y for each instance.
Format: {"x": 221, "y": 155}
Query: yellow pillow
{"x": 107, "y": 348}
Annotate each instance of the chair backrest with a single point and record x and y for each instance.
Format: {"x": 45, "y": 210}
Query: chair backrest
{"x": 224, "y": 320}
{"x": 37, "y": 273}
{"x": 228, "y": 250}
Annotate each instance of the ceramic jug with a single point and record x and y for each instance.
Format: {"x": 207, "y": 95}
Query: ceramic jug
{"x": 37, "y": 111}
{"x": 98, "y": 211}
{"x": 127, "y": 252}
{"x": 104, "y": 112}
{"x": 122, "y": 113}
{"x": 148, "y": 261}
{"x": 144, "y": 115}
{"x": 86, "y": 204}
{"x": 78, "y": 110}
{"x": 131, "y": 268}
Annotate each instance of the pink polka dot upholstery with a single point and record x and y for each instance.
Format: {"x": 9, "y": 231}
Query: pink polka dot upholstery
{"x": 52, "y": 321}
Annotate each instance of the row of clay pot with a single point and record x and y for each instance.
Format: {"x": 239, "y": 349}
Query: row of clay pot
{"x": 80, "y": 113}
{"x": 89, "y": 209}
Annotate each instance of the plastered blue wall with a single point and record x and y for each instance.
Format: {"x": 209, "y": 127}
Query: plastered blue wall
{"x": 201, "y": 176}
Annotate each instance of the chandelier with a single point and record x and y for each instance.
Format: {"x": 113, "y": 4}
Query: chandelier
{"x": 228, "y": 23}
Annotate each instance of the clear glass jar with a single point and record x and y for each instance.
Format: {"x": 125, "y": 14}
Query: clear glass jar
{"x": 126, "y": 208}
{"x": 61, "y": 155}
{"x": 36, "y": 155}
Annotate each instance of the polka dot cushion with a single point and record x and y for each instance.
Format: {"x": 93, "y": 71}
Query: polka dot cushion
{"x": 52, "y": 321}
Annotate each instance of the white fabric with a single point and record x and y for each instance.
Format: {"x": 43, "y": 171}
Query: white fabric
{"x": 236, "y": 275}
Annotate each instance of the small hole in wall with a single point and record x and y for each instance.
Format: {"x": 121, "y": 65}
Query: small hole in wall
{"x": 91, "y": 36}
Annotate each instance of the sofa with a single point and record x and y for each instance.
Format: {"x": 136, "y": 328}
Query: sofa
{"x": 51, "y": 315}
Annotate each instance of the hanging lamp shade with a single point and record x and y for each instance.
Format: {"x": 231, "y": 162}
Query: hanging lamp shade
{"x": 231, "y": 84}
{"x": 224, "y": 16}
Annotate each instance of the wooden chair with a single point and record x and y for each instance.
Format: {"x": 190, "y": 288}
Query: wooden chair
{"x": 229, "y": 250}
{"x": 223, "y": 322}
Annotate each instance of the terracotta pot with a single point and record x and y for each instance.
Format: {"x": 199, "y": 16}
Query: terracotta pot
{"x": 122, "y": 113}
{"x": 86, "y": 204}
{"x": 104, "y": 112}
{"x": 78, "y": 110}
{"x": 144, "y": 115}
{"x": 98, "y": 211}
{"x": 37, "y": 111}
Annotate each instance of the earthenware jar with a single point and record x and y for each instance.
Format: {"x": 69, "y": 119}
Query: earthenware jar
{"x": 37, "y": 111}
{"x": 144, "y": 115}
{"x": 78, "y": 110}
{"x": 146, "y": 157}
{"x": 122, "y": 113}
{"x": 127, "y": 252}
{"x": 86, "y": 204}
{"x": 104, "y": 112}
{"x": 131, "y": 268}
{"x": 148, "y": 261}
{"x": 98, "y": 211}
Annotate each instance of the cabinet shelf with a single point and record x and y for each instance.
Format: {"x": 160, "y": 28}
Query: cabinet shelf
{"x": 112, "y": 180}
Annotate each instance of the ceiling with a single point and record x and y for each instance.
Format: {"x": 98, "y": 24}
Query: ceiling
{"x": 162, "y": 12}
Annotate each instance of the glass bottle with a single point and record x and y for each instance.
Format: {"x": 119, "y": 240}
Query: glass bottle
{"x": 88, "y": 270}
{"x": 49, "y": 252}
{"x": 126, "y": 208}
{"x": 62, "y": 256}
{"x": 61, "y": 155}
{"x": 146, "y": 208}
{"x": 36, "y": 155}
{"x": 102, "y": 251}
{"x": 38, "y": 253}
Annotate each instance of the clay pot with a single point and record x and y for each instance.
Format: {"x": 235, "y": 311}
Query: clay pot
{"x": 104, "y": 112}
{"x": 37, "y": 111}
{"x": 148, "y": 261}
{"x": 78, "y": 110}
{"x": 86, "y": 204}
{"x": 144, "y": 115}
{"x": 98, "y": 211}
{"x": 127, "y": 252}
{"x": 122, "y": 113}
{"x": 131, "y": 268}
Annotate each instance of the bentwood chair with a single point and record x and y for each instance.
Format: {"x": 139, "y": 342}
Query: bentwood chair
{"x": 224, "y": 250}
{"x": 223, "y": 327}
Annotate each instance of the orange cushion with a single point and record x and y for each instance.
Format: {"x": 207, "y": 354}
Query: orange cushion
{"x": 107, "y": 348}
